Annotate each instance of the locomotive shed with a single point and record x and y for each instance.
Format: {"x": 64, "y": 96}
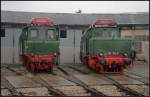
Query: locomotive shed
{"x": 71, "y": 78}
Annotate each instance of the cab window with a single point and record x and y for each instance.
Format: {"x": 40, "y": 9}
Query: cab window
{"x": 33, "y": 33}
{"x": 106, "y": 32}
{"x": 50, "y": 34}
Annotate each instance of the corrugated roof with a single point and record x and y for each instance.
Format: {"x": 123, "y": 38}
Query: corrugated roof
{"x": 74, "y": 19}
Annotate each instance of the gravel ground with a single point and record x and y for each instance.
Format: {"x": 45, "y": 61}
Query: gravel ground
{"x": 5, "y": 92}
{"x": 109, "y": 90}
{"x": 143, "y": 89}
{"x": 34, "y": 91}
{"x": 73, "y": 91}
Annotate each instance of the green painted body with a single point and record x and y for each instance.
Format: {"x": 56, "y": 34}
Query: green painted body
{"x": 41, "y": 47}
{"x": 104, "y": 39}
{"x": 97, "y": 45}
{"x": 40, "y": 44}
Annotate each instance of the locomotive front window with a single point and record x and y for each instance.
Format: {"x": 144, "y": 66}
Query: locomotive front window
{"x": 50, "y": 34}
{"x": 106, "y": 32}
{"x": 42, "y": 33}
{"x": 33, "y": 33}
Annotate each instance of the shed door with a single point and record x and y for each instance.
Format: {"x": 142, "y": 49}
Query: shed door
{"x": 9, "y": 46}
{"x": 70, "y": 46}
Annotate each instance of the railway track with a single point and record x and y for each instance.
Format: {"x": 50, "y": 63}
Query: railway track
{"x": 39, "y": 80}
{"x": 140, "y": 77}
{"x": 10, "y": 87}
{"x": 117, "y": 84}
{"x": 127, "y": 74}
{"x": 72, "y": 78}
{"x": 81, "y": 88}
{"x": 123, "y": 88}
{"x": 56, "y": 92}
{"x": 100, "y": 88}
{"x": 146, "y": 83}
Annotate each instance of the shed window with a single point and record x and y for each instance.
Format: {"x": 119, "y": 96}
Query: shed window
{"x": 63, "y": 34}
{"x": 2, "y": 33}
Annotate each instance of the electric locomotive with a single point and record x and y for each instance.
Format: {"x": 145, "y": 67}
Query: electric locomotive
{"x": 39, "y": 45}
{"x": 103, "y": 49}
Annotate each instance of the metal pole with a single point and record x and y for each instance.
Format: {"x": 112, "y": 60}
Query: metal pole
{"x": 74, "y": 47}
{"x": 13, "y": 49}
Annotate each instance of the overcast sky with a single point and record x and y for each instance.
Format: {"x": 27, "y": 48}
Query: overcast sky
{"x": 73, "y": 6}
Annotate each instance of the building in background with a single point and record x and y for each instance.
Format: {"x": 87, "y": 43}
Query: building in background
{"x": 134, "y": 25}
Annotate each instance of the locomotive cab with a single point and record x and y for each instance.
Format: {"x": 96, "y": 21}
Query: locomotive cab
{"x": 39, "y": 45}
{"x": 103, "y": 49}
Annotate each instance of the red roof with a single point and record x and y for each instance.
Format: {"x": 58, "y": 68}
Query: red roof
{"x": 108, "y": 22}
{"x": 42, "y": 21}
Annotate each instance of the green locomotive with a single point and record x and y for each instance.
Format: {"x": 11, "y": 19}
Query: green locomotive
{"x": 103, "y": 49}
{"x": 39, "y": 45}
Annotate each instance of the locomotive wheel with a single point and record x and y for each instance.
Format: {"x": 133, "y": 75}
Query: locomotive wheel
{"x": 96, "y": 69}
{"x": 28, "y": 67}
{"x": 32, "y": 67}
{"x": 57, "y": 64}
{"x": 51, "y": 69}
{"x": 88, "y": 66}
{"x": 101, "y": 70}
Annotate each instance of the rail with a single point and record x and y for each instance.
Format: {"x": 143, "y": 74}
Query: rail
{"x": 126, "y": 89}
{"x": 39, "y": 80}
{"x": 72, "y": 78}
{"x": 120, "y": 86}
{"x": 10, "y": 87}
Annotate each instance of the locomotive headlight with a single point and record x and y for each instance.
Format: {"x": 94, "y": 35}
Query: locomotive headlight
{"x": 102, "y": 61}
{"x": 125, "y": 54}
{"x": 109, "y": 53}
{"x": 101, "y": 54}
{"x": 55, "y": 54}
{"x": 113, "y": 53}
{"x": 117, "y": 53}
